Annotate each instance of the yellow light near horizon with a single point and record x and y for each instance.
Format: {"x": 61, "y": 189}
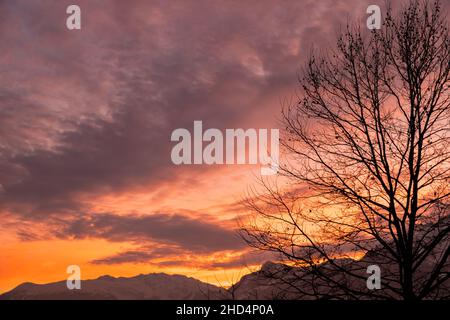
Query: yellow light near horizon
{"x": 46, "y": 261}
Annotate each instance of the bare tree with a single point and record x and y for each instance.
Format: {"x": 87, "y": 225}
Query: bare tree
{"x": 367, "y": 165}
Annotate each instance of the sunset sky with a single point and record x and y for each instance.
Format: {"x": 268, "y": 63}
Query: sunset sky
{"x": 86, "y": 116}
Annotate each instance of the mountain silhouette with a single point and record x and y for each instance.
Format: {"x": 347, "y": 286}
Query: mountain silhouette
{"x": 273, "y": 281}
{"x": 155, "y": 286}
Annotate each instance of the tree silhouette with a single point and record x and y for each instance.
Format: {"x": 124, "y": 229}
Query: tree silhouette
{"x": 366, "y": 166}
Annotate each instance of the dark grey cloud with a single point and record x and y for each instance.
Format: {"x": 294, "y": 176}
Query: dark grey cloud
{"x": 183, "y": 232}
{"x": 144, "y": 254}
{"x": 175, "y": 256}
{"x": 91, "y": 112}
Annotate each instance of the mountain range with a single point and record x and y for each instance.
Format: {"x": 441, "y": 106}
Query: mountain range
{"x": 272, "y": 281}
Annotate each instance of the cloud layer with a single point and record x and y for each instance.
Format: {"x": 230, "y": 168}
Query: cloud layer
{"x": 86, "y": 115}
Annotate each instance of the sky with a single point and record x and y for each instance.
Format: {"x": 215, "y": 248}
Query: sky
{"x": 86, "y": 116}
